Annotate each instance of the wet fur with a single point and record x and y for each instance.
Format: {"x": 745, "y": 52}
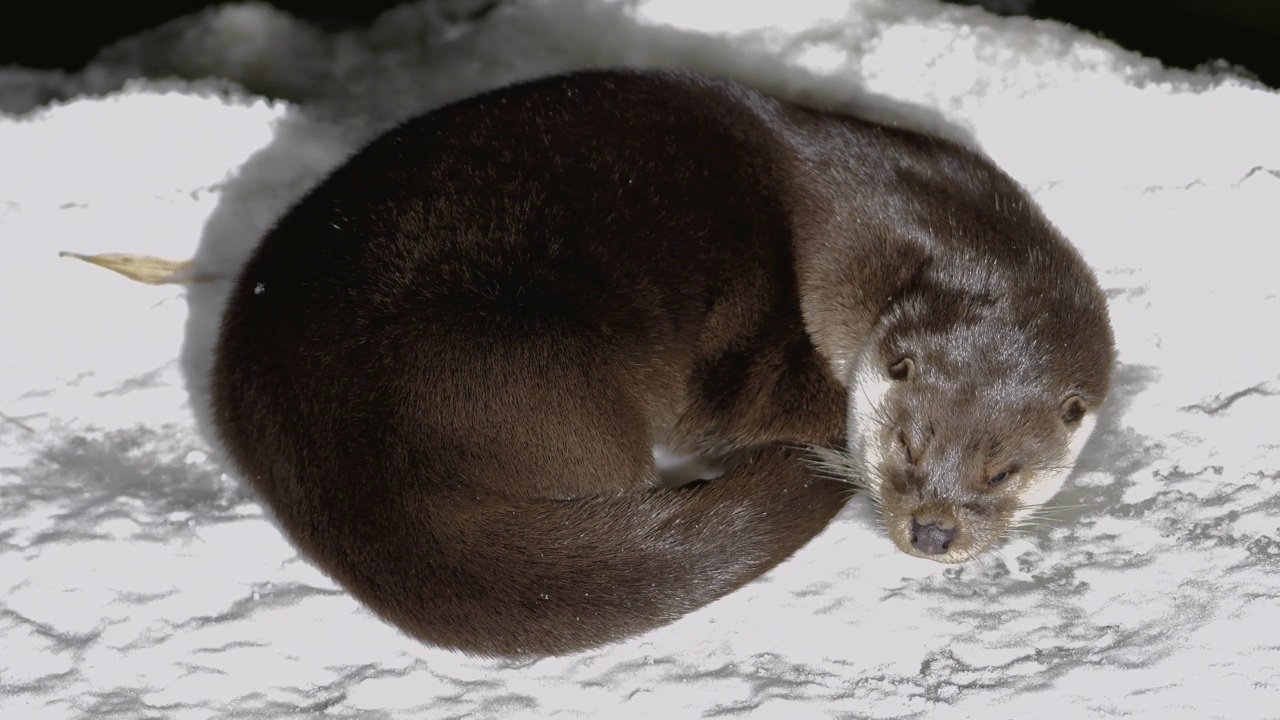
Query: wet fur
{"x": 446, "y": 367}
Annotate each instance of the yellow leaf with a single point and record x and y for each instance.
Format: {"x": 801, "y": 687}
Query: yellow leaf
{"x": 144, "y": 268}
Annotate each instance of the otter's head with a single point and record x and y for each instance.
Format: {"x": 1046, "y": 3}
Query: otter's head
{"x": 960, "y": 436}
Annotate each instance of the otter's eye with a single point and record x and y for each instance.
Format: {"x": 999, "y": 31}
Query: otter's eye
{"x": 999, "y": 478}
{"x": 904, "y": 369}
{"x": 906, "y": 447}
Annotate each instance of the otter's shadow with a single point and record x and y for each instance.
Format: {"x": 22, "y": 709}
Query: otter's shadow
{"x": 301, "y": 151}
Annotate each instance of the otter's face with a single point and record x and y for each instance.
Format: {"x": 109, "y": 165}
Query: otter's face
{"x": 956, "y": 465}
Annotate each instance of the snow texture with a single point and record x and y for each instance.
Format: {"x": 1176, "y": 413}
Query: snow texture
{"x": 139, "y": 579}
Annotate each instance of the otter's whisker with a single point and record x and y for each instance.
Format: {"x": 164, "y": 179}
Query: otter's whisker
{"x": 1041, "y": 515}
{"x": 1051, "y": 508}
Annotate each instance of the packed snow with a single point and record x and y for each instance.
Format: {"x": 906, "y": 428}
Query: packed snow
{"x": 140, "y": 579}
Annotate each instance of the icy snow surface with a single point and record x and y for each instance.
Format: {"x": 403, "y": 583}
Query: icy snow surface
{"x": 139, "y": 580}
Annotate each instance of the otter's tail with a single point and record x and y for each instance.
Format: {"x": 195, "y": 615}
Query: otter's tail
{"x": 539, "y": 577}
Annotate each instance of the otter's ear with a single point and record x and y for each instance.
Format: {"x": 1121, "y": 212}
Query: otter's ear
{"x": 904, "y": 369}
{"x": 1072, "y": 410}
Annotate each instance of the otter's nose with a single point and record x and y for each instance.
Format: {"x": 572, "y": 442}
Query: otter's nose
{"x": 931, "y": 539}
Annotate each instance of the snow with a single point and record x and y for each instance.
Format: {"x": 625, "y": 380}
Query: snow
{"x": 139, "y": 579}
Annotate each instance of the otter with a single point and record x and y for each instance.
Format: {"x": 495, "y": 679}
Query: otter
{"x": 445, "y": 369}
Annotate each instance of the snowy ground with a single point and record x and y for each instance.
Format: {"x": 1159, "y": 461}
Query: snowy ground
{"x": 138, "y": 580}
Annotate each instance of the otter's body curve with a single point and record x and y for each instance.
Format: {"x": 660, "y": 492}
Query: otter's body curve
{"x": 445, "y": 368}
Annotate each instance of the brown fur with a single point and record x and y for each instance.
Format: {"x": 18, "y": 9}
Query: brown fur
{"x": 445, "y": 368}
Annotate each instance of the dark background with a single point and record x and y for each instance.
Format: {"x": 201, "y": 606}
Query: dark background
{"x": 1182, "y": 33}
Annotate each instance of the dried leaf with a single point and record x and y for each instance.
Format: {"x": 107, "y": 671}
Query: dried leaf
{"x": 144, "y": 268}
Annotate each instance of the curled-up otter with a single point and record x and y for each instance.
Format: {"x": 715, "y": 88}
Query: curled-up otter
{"x": 446, "y": 367}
